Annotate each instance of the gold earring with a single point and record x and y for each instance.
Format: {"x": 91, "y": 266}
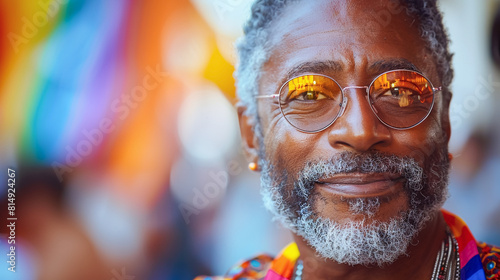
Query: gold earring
{"x": 252, "y": 166}
{"x": 450, "y": 157}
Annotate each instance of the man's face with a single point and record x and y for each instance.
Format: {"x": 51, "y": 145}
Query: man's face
{"x": 358, "y": 172}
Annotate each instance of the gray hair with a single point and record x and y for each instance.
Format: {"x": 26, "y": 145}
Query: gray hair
{"x": 254, "y": 50}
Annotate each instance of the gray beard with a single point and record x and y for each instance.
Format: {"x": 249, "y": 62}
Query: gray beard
{"x": 357, "y": 242}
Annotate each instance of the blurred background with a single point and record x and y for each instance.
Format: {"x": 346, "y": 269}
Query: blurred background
{"x": 118, "y": 119}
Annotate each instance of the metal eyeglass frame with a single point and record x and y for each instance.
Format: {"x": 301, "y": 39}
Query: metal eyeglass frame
{"x": 343, "y": 104}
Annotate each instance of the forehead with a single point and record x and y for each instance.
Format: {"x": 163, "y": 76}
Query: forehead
{"x": 349, "y": 36}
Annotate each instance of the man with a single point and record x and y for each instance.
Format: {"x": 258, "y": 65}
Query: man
{"x": 346, "y": 117}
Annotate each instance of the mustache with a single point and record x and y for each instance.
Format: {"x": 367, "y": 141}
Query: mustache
{"x": 350, "y": 162}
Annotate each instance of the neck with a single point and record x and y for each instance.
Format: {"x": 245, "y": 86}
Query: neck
{"x": 417, "y": 264}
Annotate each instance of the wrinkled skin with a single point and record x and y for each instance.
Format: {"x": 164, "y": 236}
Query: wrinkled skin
{"x": 323, "y": 31}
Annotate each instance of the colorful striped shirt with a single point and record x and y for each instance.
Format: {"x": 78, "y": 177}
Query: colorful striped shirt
{"x": 478, "y": 261}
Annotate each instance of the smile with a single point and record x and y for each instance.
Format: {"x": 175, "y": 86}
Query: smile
{"x": 354, "y": 185}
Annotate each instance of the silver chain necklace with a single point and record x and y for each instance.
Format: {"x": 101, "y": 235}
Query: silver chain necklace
{"x": 447, "y": 265}
{"x": 298, "y": 270}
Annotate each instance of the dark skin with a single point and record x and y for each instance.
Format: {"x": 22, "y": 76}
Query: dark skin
{"x": 418, "y": 265}
{"x": 335, "y": 34}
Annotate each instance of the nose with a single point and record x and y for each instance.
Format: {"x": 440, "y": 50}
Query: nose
{"x": 358, "y": 129}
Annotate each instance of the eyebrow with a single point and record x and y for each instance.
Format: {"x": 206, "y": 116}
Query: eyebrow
{"x": 325, "y": 66}
{"x": 314, "y": 67}
{"x": 392, "y": 64}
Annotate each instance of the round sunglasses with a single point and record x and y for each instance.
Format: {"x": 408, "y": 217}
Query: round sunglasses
{"x": 400, "y": 99}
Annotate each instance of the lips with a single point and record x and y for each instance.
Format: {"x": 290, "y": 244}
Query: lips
{"x": 362, "y": 184}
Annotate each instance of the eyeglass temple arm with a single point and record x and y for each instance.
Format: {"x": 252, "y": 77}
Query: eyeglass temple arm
{"x": 267, "y": 96}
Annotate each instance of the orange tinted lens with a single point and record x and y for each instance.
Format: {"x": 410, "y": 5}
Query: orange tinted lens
{"x": 401, "y": 98}
{"x": 310, "y": 102}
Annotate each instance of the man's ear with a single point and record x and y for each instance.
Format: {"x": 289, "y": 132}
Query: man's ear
{"x": 447, "y": 128}
{"x": 445, "y": 120}
{"x": 249, "y": 140}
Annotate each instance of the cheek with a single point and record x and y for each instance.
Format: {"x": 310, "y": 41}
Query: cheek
{"x": 422, "y": 141}
{"x": 288, "y": 148}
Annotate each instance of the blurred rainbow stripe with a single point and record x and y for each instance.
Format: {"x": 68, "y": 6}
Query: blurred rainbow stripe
{"x": 66, "y": 62}
{"x": 59, "y": 76}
